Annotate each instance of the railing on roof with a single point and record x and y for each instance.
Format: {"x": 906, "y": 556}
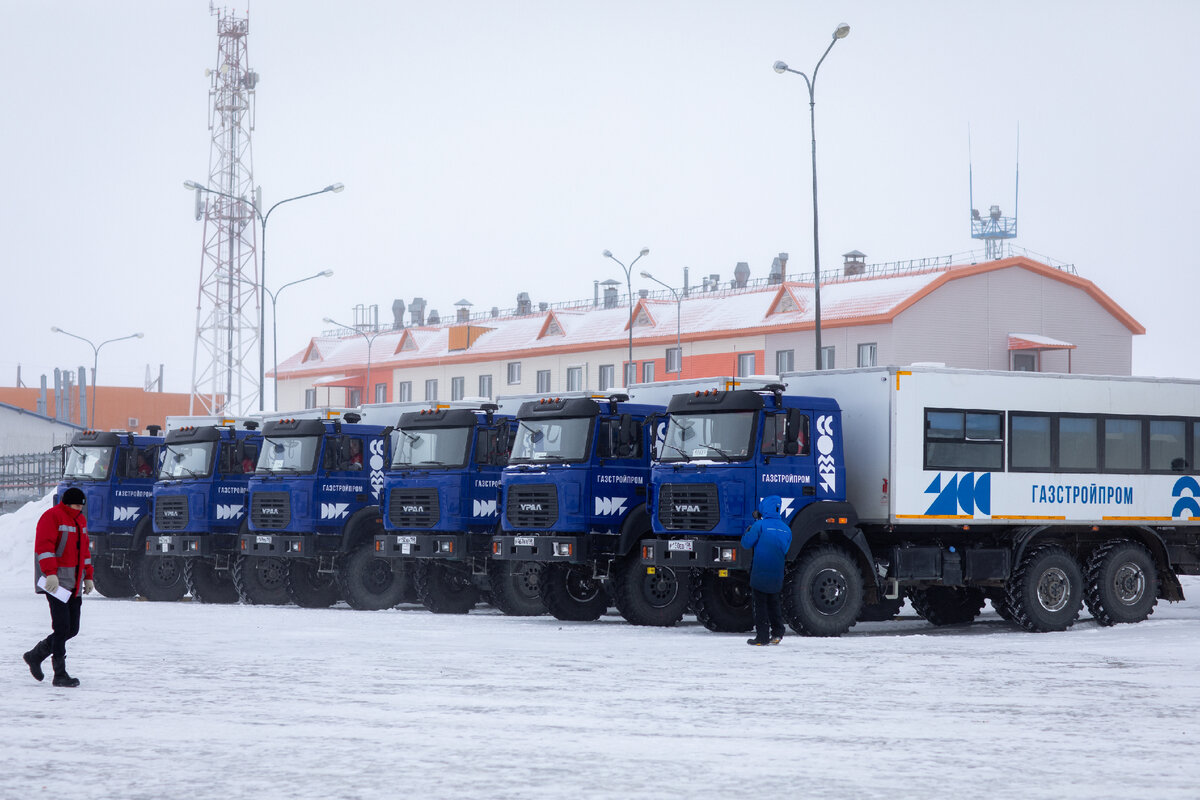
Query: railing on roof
{"x": 913, "y": 266}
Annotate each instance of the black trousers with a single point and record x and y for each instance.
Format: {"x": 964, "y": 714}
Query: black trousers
{"x": 768, "y": 615}
{"x": 65, "y": 619}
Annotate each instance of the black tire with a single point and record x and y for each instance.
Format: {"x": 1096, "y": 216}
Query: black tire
{"x": 947, "y": 605}
{"x": 206, "y": 583}
{"x": 309, "y": 588}
{"x": 999, "y": 602}
{"x": 445, "y": 589}
{"x": 724, "y": 605}
{"x": 1122, "y": 583}
{"x": 644, "y": 599}
{"x": 110, "y": 581}
{"x": 882, "y": 611}
{"x": 261, "y": 580}
{"x": 368, "y": 583}
{"x": 158, "y": 578}
{"x": 514, "y": 587}
{"x": 823, "y": 592}
{"x": 1045, "y": 592}
{"x": 571, "y": 594}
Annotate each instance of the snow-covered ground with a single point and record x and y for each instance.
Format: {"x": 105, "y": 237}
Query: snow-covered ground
{"x": 201, "y": 701}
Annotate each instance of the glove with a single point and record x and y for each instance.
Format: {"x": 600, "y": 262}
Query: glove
{"x": 51, "y": 584}
{"x": 88, "y": 586}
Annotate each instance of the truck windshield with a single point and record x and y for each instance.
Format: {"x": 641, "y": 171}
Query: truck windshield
{"x": 542, "y": 440}
{"x": 430, "y": 447}
{"x": 187, "y": 460}
{"x": 289, "y": 454}
{"x": 725, "y": 437}
{"x": 88, "y": 463}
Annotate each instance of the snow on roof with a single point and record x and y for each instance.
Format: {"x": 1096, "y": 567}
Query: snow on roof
{"x": 1034, "y": 341}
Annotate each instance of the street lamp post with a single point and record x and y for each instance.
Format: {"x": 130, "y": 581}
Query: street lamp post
{"x": 370, "y": 342}
{"x": 629, "y": 292}
{"x": 840, "y": 32}
{"x": 678, "y": 309}
{"x": 275, "y": 339}
{"x": 262, "y": 305}
{"x": 95, "y": 361}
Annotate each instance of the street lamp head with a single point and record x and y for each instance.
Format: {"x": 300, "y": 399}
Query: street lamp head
{"x": 328, "y": 321}
{"x": 55, "y": 329}
{"x": 325, "y": 273}
{"x": 194, "y": 185}
{"x": 139, "y": 336}
{"x": 607, "y": 254}
{"x": 645, "y": 251}
{"x": 842, "y": 31}
{"x": 337, "y": 187}
{"x": 647, "y": 275}
{"x": 781, "y": 67}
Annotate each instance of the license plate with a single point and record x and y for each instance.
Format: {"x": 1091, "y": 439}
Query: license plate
{"x": 405, "y": 549}
{"x": 524, "y": 541}
{"x": 684, "y": 545}
{"x": 164, "y": 540}
{"x": 406, "y": 540}
{"x": 164, "y": 546}
{"x": 262, "y": 539}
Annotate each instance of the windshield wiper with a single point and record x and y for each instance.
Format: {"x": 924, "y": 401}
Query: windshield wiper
{"x": 686, "y": 457}
{"x": 708, "y": 446}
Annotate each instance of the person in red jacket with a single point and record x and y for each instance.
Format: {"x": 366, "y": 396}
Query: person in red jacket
{"x": 63, "y": 557}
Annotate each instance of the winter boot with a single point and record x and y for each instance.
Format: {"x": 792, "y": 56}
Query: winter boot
{"x": 61, "y": 678}
{"x": 36, "y": 656}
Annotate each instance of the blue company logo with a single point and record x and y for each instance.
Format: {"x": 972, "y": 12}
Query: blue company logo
{"x": 1186, "y": 502}
{"x": 967, "y": 492}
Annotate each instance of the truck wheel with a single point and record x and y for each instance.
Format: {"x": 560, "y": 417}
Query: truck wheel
{"x": 999, "y": 601}
{"x": 1122, "y": 583}
{"x": 370, "y": 584}
{"x": 260, "y": 580}
{"x": 206, "y": 583}
{"x": 571, "y": 594}
{"x": 1045, "y": 592}
{"x": 723, "y": 605}
{"x": 823, "y": 592}
{"x": 644, "y": 599}
{"x": 158, "y": 578}
{"x": 309, "y": 588}
{"x": 947, "y": 605}
{"x": 110, "y": 581}
{"x": 513, "y": 586}
{"x": 882, "y": 611}
{"x": 444, "y": 589}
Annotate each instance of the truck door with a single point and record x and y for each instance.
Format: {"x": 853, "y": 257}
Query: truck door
{"x": 788, "y": 466}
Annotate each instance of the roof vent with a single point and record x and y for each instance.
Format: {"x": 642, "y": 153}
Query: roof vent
{"x": 397, "y": 314}
{"x": 417, "y": 309}
{"x": 741, "y": 273}
{"x": 463, "y": 311}
{"x": 610, "y": 293}
{"x": 854, "y": 263}
{"x": 543, "y": 306}
{"x": 524, "y": 304}
{"x": 434, "y": 319}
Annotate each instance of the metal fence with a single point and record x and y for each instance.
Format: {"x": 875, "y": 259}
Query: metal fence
{"x": 26, "y": 477}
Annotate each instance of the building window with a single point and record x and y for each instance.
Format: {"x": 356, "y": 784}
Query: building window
{"x": 310, "y": 398}
{"x": 630, "y": 374}
{"x": 827, "y": 361}
{"x": 404, "y": 392}
{"x": 745, "y": 364}
{"x": 431, "y": 390}
{"x": 381, "y": 393}
{"x": 1025, "y": 362}
{"x": 647, "y": 371}
{"x": 674, "y": 359}
{"x": 785, "y": 361}
{"x": 485, "y": 386}
{"x": 574, "y": 379}
{"x": 543, "y": 381}
{"x": 866, "y": 354}
{"x": 608, "y": 377}
{"x": 458, "y": 388}
{"x": 353, "y": 397}
{"x": 514, "y": 373}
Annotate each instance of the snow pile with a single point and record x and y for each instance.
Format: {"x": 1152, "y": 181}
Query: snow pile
{"x": 16, "y": 542}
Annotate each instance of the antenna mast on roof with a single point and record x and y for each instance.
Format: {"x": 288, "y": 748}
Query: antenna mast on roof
{"x": 995, "y": 227}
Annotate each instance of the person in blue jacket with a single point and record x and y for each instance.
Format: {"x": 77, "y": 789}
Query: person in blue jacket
{"x": 769, "y": 537}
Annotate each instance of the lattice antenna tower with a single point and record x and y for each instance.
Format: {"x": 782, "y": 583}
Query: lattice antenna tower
{"x": 224, "y": 371}
{"x": 995, "y": 228}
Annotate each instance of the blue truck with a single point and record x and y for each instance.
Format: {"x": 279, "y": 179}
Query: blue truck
{"x": 314, "y": 498}
{"x": 200, "y": 502}
{"x": 116, "y": 471}
{"x": 441, "y": 509}
{"x": 573, "y": 500}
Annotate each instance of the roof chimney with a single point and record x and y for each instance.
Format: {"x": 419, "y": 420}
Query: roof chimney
{"x": 714, "y": 281}
{"x": 610, "y": 292}
{"x": 542, "y": 306}
{"x": 783, "y": 258}
{"x": 417, "y": 309}
{"x": 397, "y": 314}
{"x": 854, "y": 263}
{"x": 463, "y": 311}
{"x": 524, "y": 304}
{"x": 434, "y": 319}
{"x": 595, "y": 294}
{"x": 643, "y": 293}
{"x": 495, "y": 311}
{"x": 740, "y": 274}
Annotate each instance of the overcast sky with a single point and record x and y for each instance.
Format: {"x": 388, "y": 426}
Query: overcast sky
{"x": 490, "y": 148}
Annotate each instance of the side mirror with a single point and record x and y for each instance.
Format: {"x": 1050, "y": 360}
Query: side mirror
{"x": 627, "y": 436}
{"x": 794, "y": 420}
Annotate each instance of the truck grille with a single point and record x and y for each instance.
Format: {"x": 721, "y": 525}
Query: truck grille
{"x": 171, "y": 513}
{"x": 532, "y": 506}
{"x": 270, "y": 510}
{"x": 688, "y": 506}
{"x": 413, "y": 508}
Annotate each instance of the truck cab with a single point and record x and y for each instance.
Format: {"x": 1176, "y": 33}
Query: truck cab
{"x": 200, "y": 503}
{"x": 441, "y": 504}
{"x": 116, "y": 472}
{"x": 313, "y": 496}
{"x": 573, "y": 497}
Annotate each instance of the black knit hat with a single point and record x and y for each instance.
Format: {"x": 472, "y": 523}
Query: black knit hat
{"x": 74, "y": 497}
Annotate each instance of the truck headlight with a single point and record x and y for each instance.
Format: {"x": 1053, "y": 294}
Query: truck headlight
{"x": 563, "y": 548}
{"x": 728, "y": 554}
{"x": 445, "y": 545}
